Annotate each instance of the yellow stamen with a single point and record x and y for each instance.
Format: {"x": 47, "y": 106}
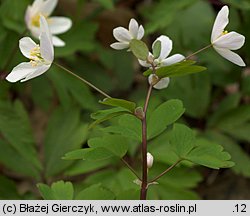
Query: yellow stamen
{"x": 35, "y": 56}
{"x": 35, "y": 21}
{"x": 224, "y": 32}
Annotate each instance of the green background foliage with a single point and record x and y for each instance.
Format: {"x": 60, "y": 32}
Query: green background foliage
{"x": 50, "y": 147}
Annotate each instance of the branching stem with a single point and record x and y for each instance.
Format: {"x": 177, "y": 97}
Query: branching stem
{"x": 132, "y": 170}
{"x": 166, "y": 171}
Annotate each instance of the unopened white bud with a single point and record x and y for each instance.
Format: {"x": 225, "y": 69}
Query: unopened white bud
{"x": 157, "y": 82}
{"x": 150, "y": 160}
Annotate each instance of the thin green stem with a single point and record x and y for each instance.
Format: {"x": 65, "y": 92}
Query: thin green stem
{"x": 166, "y": 171}
{"x": 83, "y": 80}
{"x": 204, "y": 48}
{"x": 132, "y": 170}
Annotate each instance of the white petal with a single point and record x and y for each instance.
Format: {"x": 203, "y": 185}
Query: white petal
{"x": 166, "y": 46}
{"x": 231, "y": 56}
{"x": 151, "y": 78}
{"x": 46, "y": 46}
{"x": 220, "y": 23}
{"x": 133, "y": 28}
{"x": 140, "y": 33}
{"x": 48, "y": 7}
{"x": 39, "y": 71}
{"x": 150, "y": 160}
{"x": 232, "y": 41}
{"x": 37, "y": 4}
{"x": 26, "y": 44}
{"x": 58, "y": 42}
{"x": 28, "y": 15}
{"x": 121, "y": 34}
{"x": 34, "y": 31}
{"x": 59, "y": 25}
{"x": 44, "y": 27}
{"x": 119, "y": 45}
{"x": 144, "y": 63}
{"x": 172, "y": 59}
{"x": 20, "y": 71}
{"x": 163, "y": 83}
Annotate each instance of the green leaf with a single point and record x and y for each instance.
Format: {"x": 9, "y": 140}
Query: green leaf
{"x": 164, "y": 115}
{"x": 12, "y": 14}
{"x": 95, "y": 192}
{"x": 161, "y": 149}
{"x": 157, "y": 49}
{"x": 240, "y": 132}
{"x": 129, "y": 126}
{"x": 65, "y": 132}
{"x": 108, "y": 4}
{"x": 172, "y": 193}
{"x": 235, "y": 117}
{"x": 83, "y": 166}
{"x": 104, "y": 115}
{"x": 157, "y": 18}
{"x": 11, "y": 159}
{"x": 114, "y": 143}
{"x": 97, "y": 154}
{"x": 77, "y": 39}
{"x": 227, "y": 104}
{"x": 68, "y": 87}
{"x": 241, "y": 4}
{"x": 178, "y": 69}
{"x": 131, "y": 194}
{"x": 197, "y": 88}
{"x": 19, "y": 141}
{"x": 90, "y": 154}
{"x": 128, "y": 105}
{"x": 175, "y": 177}
{"x": 43, "y": 99}
{"x": 58, "y": 191}
{"x": 182, "y": 140}
{"x": 8, "y": 189}
{"x": 108, "y": 117}
{"x": 139, "y": 49}
{"x": 78, "y": 154}
{"x": 239, "y": 156}
{"x": 209, "y": 154}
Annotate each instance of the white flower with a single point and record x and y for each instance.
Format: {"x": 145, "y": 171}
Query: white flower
{"x": 162, "y": 59}
{"x": 223, "y": 42}
{"x": 41, "y": 57}
{"x": 150, "y": 160}
{"x": 160, "y": 84}
{"x": 124, "y": 36}
{"x": 57, "y": 25}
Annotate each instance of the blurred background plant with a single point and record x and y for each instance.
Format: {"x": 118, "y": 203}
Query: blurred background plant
{"x": 45, "y": 118}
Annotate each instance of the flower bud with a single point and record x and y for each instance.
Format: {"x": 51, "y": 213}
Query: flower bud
{"x": 153, "y": 79}
{"x": 150, "y": 160}
{"x": 139, "y": 113}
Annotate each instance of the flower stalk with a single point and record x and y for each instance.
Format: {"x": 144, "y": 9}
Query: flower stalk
{"x": 83, "y": 80}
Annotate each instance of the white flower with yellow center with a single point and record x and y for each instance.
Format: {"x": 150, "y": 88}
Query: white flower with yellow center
{"x": 57, "y": 25}
{"x": 124, "y": 36}
{"x": 41, "y": 56}
{"x": 224, "y": 41}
